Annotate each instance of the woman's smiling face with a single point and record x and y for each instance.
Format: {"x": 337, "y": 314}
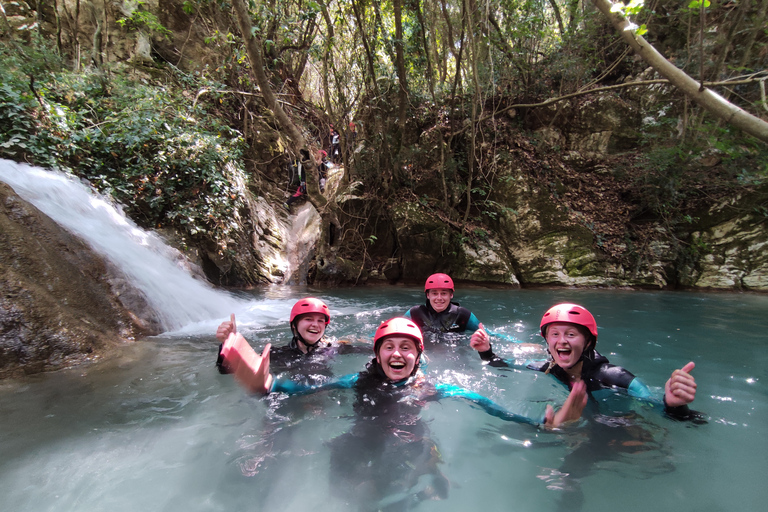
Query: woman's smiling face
{"x": 566, "y": 343}
{"x": 311, "y": 327}
{"x": 397, "y": 357}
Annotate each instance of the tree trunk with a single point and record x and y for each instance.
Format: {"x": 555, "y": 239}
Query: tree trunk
{"x": 558, "y": 17}
{"x": 400, "y": 66}
{"x": 430, "y": 73}
{"x": 759, "y": 27}
{"x": 327, "y": 210}
{"x": 706, "y": 98}
{"x": 366, "y": 45}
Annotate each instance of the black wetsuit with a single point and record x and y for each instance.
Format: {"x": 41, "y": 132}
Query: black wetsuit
{"x": 387, "y": 460}
{"x": 311, "y": 367}
{"x": 597, "y": 373}
{"x": 453, "y": 319}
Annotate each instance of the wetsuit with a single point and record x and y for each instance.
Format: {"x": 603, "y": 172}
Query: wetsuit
{"x": 453, "y": 319}
{"x": 310, "y": 367}
{"x": 416, "y": 387}
{"x": 598, "y": 374}
{"x": 387, "y": 460}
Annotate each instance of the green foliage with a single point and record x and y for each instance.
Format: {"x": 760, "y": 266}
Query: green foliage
{"x": 628, "y": 8}
{"x": 144, "y": 144}
{"x": 699, "y": 4}
{"x": 141, "y": 19}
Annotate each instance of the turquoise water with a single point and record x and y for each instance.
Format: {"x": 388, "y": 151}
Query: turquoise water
{"x": 157, "y": 428}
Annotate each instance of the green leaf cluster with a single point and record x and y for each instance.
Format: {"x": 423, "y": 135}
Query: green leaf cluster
{"x": 169, "y": 163}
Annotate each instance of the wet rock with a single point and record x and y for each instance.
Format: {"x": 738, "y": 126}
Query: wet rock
{"x": 61, "y": 304}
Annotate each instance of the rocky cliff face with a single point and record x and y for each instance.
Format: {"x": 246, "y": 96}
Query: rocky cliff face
{"x": 61, "y": 304}
{"x": 570, "y": 207}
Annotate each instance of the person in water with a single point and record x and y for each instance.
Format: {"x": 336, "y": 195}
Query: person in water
{"x": 398, "y": 354}
{"x": 387, "y": 459}
{"x": 441, "y": 314}
{"x": 571, "y": 335}
{"x": 307, "y": 350}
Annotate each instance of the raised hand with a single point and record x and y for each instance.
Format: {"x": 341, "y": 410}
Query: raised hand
{"x": 571, "y": 409}
{"x": 480, "y": 340}
{"x": 226, "y": 328}
{"x": 251, "y": 369}
{"x": 680, "y": 389}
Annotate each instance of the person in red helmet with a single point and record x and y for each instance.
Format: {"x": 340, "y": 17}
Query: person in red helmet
{"x": 570, "y": 331}
{"x": 308, "y": 320}
{"x": 441, "y": 314}
{"x": 398, "y": 354}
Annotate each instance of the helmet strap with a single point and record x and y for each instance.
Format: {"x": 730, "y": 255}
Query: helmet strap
{"x": 300, "y": 339}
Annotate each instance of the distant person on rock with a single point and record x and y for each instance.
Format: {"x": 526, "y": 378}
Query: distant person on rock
{"x": 321, "y": 160}
{"x": 335, "y": 146}
{"x": 298, "y": 173}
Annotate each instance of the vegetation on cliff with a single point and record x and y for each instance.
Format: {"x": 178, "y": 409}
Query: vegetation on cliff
{"x": 454, "y": 103}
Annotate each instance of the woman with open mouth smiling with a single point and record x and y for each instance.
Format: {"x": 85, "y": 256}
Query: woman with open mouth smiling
{"x": 571, "y": 335}
{"x": 398, "y": 348}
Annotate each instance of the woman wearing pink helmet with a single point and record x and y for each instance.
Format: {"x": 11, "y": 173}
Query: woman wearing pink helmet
{"x": 308, "y": 320}
{"x": 571, "y": 335}
{"x": 441, "y": 314}
{"x": 388, "y": 433}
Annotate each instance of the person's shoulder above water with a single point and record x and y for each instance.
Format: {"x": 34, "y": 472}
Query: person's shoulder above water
{"x": 570, "y": 331}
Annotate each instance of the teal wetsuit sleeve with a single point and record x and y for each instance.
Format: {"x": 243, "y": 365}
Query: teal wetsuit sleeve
{"x": 473, "y": 323}
{"x": 638, "y": 389}
{"x": 488, "y": 405}
{"x": 407, "y": 314}
{"x": 290, "y": 387}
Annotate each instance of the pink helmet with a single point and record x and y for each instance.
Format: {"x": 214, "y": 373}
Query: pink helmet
{"x": 401, "y": 326}
{"x": 439, "y": 281}
{"x": 572, "y": 313}
{"x": 310, "y": 305}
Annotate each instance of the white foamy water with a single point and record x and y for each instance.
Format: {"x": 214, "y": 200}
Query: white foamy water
{"x": 183, "y": 304}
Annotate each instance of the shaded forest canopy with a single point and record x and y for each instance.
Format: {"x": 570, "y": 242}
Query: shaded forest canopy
{"x": 454, "y": 102}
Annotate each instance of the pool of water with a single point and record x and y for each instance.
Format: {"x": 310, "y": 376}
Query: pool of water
{"x": 157, "y": 428}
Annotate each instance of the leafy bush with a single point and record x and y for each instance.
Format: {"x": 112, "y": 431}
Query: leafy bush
{"x": 144, "y": 144}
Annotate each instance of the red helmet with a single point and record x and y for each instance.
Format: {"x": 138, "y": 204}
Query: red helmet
{"x": 439, "y": 281}
{"x": 310, "y": 305}
{"x": 401, "y": 326}
{"x": 572, "y": 313}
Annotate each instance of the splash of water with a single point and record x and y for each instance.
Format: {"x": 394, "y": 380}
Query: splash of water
{"x": 183, "y": 304}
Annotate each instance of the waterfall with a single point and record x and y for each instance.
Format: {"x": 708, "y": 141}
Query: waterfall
{"x": 184, "y": 305}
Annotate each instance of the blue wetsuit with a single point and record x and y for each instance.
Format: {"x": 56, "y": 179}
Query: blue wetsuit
{"x": 598, "y": 374}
